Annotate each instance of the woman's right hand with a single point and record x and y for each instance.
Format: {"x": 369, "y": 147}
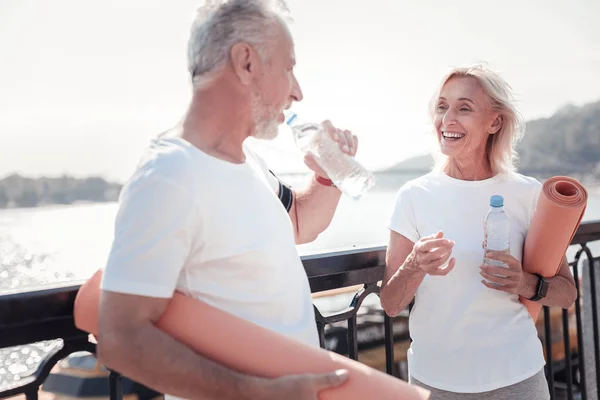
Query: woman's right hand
{"x": 430, "y": 254}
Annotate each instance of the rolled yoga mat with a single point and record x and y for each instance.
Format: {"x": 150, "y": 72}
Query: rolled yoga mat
{"x": 249, "y": 348}
{"x": 557, "y": 216}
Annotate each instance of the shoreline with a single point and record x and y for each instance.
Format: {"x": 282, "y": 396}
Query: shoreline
{"x": 591, "y": 184}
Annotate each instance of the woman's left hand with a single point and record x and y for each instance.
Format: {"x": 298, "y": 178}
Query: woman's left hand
{"x": 511, "y": 279}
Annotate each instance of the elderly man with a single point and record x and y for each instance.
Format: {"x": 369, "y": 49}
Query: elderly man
{"x": 203, "y": 215}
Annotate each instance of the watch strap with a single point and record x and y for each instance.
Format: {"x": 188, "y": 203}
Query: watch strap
{"x": 541, "y": 290}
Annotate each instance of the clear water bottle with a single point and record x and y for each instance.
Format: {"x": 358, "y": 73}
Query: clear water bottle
{"x": 496, "y": 227}
{"x": 347, "y": 174}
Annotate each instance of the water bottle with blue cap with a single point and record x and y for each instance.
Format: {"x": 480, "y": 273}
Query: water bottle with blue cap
{"x": 345, "y": 171}
{"x": 496, "y": 230}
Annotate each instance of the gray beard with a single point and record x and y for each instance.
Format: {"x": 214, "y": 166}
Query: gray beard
{"x": 265, "y": 127}
{"x": 267, "y": 130}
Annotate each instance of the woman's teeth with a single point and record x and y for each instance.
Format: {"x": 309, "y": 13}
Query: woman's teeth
{"x": 452, "y": 136}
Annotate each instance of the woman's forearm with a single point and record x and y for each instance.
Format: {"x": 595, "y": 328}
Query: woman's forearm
{"x": 397, "y": 293}
{"x": 561, "y": 291}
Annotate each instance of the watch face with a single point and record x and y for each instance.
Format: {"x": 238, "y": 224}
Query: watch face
{"x": 543, "y": 287}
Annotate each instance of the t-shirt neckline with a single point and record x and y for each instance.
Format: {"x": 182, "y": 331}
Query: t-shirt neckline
{"x": 483, "y": 182}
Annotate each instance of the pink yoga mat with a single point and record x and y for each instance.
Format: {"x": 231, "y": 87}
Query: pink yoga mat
{"x": 249, "y": 348}
{"x": 557, "y": 216}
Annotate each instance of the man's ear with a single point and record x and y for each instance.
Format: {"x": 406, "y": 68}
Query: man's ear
{"x": 245, "y": 62}
{"x": 496, "y": 124}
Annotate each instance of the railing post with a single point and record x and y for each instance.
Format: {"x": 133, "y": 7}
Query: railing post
{"x": 567, "y": 342}
{"x": 578, "y": 317}
{"x": 548, "y": 340}
{"x": 389, "y": 344}
{"x": 594, "y": 301}
{"x": 352, "y": 338}
{"x": 116, "y": 386}
{"x": 32, "y": 394}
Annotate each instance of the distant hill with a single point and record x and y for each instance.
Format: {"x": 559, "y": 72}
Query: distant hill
{"x": 566, "y": 143}
{"x": 414, "y": 164}
{"x": 18, "y": 191}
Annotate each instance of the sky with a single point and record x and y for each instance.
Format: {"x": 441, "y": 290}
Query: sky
{"x": 85, "y": 84}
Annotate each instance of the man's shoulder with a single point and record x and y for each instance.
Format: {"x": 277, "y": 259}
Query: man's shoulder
{"x": 166, "y": 154}
{"x": 165, "y": 160}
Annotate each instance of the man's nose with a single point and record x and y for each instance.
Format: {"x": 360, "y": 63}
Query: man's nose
{"x": 296, "y": 91}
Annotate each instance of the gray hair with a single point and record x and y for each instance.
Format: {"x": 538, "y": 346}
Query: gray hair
{"x": 220, "y": 24}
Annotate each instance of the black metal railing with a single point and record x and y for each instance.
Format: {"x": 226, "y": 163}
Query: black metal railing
{"x": 47, "y": 314}
{"x": 575, "y": 360}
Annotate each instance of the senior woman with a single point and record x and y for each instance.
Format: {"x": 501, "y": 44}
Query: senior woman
{"x": 471, "y": 337}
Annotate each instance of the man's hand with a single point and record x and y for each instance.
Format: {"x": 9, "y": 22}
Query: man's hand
{"x": 313, "y": 207}
{"x": 346, "y": 140}
{"x": 303, "y": 387}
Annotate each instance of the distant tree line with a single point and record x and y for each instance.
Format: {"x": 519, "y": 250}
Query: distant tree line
{"x": 19, "y": 191}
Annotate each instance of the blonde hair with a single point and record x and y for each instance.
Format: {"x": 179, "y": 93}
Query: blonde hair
{"x": 500, "y": 147}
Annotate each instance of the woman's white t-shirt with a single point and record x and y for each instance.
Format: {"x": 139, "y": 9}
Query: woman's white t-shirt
{"x": 467, "y": 337}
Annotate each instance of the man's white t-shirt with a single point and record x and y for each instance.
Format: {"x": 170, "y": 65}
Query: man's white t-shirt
{"x": 467, "y": 337}
{"x": 215, "y": 231}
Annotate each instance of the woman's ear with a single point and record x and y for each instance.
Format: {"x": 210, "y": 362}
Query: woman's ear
{"x": 496, "y": 124}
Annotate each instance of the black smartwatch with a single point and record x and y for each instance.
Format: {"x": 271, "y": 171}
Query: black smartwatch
{"x": 542, "y": 289}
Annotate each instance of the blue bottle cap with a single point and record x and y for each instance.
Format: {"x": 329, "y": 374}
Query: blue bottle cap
{"x": 497, "y": 201}
{"x": 290, "y": 118}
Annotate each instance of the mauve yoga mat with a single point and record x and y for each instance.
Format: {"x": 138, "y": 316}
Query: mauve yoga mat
{"x": 557, "y": 216}
{"x": 249, "y": 348}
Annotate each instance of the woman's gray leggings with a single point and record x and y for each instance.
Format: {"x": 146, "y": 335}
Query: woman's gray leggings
{"x": 534, "y": 388}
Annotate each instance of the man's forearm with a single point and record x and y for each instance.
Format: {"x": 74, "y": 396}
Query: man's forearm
{"x": 314, "y": 210}
{"x": 156, "y": 360}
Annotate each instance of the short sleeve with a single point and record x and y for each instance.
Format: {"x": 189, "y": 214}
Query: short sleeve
{"x": 403, "y": 219}
{"x": 537, "y": 190}
{"x": 154, "y": 232}
{"x": 271, "y": 178}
